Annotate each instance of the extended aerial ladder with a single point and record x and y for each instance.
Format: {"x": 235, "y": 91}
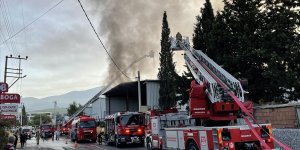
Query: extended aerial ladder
{"x": 207, "y": 71}
{"x": 224, "y": 95}
{"x": 217, "y": 84}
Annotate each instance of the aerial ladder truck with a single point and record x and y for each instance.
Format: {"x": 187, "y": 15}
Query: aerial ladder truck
{"x": 217, "y": 100}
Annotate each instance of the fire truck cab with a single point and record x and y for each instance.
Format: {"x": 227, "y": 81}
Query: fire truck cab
{"x": 47, "y": 129}
{"x": 124, "y": 128}
{"x": 83, "y": 129}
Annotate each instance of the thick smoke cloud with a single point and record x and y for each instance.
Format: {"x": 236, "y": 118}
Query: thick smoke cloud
{"x": 131, "y": 28}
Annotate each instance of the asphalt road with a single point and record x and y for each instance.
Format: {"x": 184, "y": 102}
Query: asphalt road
{"x": 66, "y": 144}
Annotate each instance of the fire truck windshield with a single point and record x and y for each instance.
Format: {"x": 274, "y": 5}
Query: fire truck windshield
{"x": 45, "y": 127}
{"x": 87, "y": 124}
{"x": 131, "y": 119}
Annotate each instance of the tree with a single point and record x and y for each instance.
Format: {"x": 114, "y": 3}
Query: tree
{"x": 198, "y": 40}
{"x": 166, "y": 74}
{"x": 4, "y": 125}
{"x": 183, "y": 86}
{"x": 236, "y": 37}
{"x": 281, "y": 47}
{"x": 73, "y": 108}
{"x": 39, "y": 119}
{"x": 258, "y": 40}
{"x": 203, "y": 28}
{"x": 24, "y": 116}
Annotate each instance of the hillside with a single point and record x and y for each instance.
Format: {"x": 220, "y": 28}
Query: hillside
{"x": 63, "y": 101}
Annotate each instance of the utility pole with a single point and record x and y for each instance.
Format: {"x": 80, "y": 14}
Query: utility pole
{"x": 40, "y": 119}
{"x": 139, "y": 90}
{"x": 54, "y": 118}
{"x": 21, "y": 114}
{"x": 13, "y": 72}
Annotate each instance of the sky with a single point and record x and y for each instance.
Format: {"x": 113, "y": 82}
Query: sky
{"x": 63, "y": 52}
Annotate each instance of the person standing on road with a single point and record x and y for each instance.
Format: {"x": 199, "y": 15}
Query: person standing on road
{"x": 16, "y": 140}
{"x": 23, "y": 139}
{"x": 37, "y": 136}
{"x": 43, "y": 135}
{"x": 57, "y": 134}
{"x": 52, "y": 135}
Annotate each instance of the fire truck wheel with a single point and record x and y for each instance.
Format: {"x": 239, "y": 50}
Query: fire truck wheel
{"x": 192, "y": 146}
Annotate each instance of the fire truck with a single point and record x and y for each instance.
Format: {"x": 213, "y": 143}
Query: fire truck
{"x": 47, "y": 129}
{"x": 124, "y": 128}
{"x": 216, "y": 104}
{"x": 66, "y": 127}
{"x": 83, "y": 129}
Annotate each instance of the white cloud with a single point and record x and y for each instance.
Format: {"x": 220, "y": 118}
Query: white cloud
{"x": 64, "y": 54}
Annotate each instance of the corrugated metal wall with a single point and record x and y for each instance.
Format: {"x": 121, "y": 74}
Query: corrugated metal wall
{"x": 98, "y": 108}
{"x": 117, "y": 104}
{"x": 152, "y": 93}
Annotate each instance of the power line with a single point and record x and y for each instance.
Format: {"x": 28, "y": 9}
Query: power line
{"x": 101, "y": 41}
{"x": 9, "y": 27}
{"x": 32, "y": 22}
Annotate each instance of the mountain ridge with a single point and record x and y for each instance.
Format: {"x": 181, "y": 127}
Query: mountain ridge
{"x": 63, "y": 100}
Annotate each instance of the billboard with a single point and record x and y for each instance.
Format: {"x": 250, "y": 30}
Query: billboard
{"x": 8, "y": 108}
{"x": 8, "y": 117}
{"x": 9, "y": 98}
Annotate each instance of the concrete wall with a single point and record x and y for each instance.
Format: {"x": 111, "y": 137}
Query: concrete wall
{"x": 279, "y": 117}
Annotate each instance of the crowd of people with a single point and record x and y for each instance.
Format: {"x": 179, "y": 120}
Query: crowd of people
{"x": 23, "y": 136}
{"x": 13, "y": 141}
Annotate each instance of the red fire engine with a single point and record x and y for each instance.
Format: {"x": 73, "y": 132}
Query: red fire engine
{"x": 216, "y": 99}
{"x": 65, "y": 128}
{"x": 83, "y": 129}
{"x": 124, "y": 128}
{"x": 47, "y": 129}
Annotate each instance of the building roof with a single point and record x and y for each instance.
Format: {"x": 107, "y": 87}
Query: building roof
{"x": 127, "y": 89}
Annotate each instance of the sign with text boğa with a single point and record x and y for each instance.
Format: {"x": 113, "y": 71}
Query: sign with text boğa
{"x": 3, "y": 87}
{"x": 9, "y": 98}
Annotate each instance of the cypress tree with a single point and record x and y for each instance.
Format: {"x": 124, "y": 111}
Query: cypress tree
{"x": 166, "y": 74}
{"x": 24, "y": 116}
{"x": 198, "y": 41}
{"x": 203, "y": 28}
